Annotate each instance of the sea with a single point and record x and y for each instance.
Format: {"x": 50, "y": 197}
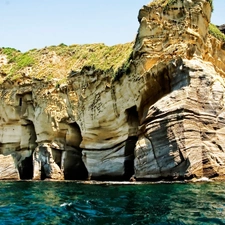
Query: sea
{"x": 47, "y": 202}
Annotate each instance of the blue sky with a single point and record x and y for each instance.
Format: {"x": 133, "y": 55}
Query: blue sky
{"x": 28, "y": 24}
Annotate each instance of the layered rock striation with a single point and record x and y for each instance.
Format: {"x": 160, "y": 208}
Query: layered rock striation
{"x": 161, "y": 117}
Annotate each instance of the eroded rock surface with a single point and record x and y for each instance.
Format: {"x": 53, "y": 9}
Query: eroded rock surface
{"x": 8, "y": 170}
{"x": 183, "y": 132}
{"x": 161, "y": 117}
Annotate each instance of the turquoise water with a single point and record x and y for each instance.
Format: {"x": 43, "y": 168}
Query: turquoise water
{"x": 74, "y": 203}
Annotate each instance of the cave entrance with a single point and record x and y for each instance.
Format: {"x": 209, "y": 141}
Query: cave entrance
{"x": 72, "y": 163}
{"x": 74, "y": 168}
{"x": 25, "y": 166}
{"x": 133, "y": 123}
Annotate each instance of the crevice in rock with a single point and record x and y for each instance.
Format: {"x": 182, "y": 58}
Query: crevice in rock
{"x": 113, "y": 95}
{"x": 133, "y": 122}
{"x": 57, "y": 155}
{"x": 129, "y": 157}
{"x": 154, "y": 153}
{"x": 20, "y": 101}
{"x": 43, "y": 174}
{"x": 207, "y": 164}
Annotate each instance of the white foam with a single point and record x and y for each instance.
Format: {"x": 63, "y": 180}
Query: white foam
{"x": 66, "y": 204}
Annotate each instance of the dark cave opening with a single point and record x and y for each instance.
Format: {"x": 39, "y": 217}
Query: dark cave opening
{"x": 57, "y": 156}
{"x": 133, "y": 122}
{"x": 25, "y": 167}
{"x": 74, "y": 168}
{"x": 129, "y": 154}
{"x": 43, "y": 175}
{"x": 73, "y": 165}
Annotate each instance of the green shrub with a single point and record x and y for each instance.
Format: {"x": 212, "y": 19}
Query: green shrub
{"x": 10, "y": 53}
{"x": 62, "y": 45}
{"x": 69, "y": 58}
{"x": 20, "y": 59}
{"x": 214, "y": 30}
{"x": 24, "y": 60}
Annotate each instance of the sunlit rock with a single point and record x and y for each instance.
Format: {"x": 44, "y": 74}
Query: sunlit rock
{"x": 8, "y": 170}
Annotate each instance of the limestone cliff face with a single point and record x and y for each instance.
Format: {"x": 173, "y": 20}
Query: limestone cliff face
{"x": 163, "y": 118}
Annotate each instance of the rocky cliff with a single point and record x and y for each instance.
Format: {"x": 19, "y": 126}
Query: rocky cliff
{"x": 222, "y": 28}
{"x": 157, "y": 113}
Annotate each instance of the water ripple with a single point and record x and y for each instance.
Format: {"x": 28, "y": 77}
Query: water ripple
{"x": 72, "y": 203}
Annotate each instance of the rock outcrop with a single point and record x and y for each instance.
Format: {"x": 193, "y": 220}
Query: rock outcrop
{"x": 161, "y": 117}
{"x": 222, "y": 28}
{"x": 8, "y": 169}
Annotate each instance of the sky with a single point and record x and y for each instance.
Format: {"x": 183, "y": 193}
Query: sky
{"x": 29, "y": 24}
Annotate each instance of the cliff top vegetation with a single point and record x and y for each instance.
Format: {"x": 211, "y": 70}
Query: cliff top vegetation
{"x": 59, "y": 61}
{"x": 214, "y": 30}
